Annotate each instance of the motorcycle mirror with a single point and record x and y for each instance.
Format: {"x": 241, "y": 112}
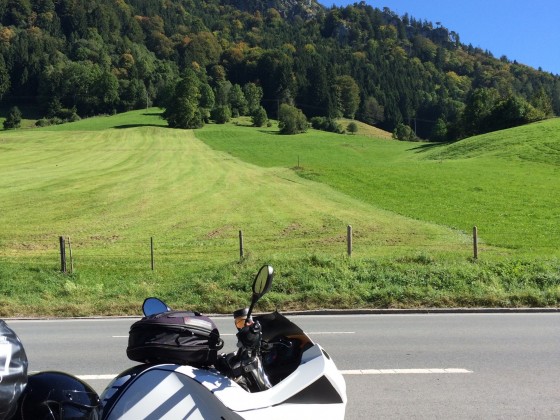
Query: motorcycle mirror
{"x": 152, "y": 306}
{"x": 263, "y": 280}
{"x": 261, "y": 285}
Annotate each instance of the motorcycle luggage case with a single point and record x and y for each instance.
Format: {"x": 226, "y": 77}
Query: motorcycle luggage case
{"x": 180, "y": 337}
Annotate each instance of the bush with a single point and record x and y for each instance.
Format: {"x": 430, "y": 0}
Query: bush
{"x": 14, "y": 119}
{"x": 404, "y": 132}
{"x": 67, "y": 114}
{"x": 259, "y": 117}
{"x": 352, "y": 127}
{"x": 221, "y": 114}
{"x": 326, "y": 124}
{"x": 43, "y": 122}
{"x": 291, "y": 120}
{"x": 74, "y": 117}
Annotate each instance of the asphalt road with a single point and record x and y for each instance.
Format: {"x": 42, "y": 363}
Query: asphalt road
{"x": 499, "y": 366}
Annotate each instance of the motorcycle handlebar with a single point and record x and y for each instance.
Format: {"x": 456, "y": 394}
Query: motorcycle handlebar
{"x": 250, "y": 336}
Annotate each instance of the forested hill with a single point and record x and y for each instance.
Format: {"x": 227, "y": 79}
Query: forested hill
{"x": 73, "y": 57}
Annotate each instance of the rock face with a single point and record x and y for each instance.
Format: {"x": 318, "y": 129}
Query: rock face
{"x": 288, "y": 9}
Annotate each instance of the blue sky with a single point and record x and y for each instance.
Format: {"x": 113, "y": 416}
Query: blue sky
{"x": 524, "y": 30}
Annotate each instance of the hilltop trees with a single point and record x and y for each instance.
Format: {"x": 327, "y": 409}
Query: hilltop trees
{"x": 486, "y": 110}
{"x": 356, "y": 61}
{"x": 194, "y": 102}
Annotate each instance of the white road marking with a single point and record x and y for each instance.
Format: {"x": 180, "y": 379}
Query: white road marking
{"x": 311, "y": 333}
{"x": 344, "y": 372}
{"x": 402, "y": 371}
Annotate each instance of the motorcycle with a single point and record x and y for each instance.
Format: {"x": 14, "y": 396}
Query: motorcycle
{"x": 276, "y": 372}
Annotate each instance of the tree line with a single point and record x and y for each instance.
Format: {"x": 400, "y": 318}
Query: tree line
{"x": 68, "y": 59}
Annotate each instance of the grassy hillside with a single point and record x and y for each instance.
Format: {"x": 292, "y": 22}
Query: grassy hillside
{"x": 366, "y": 130}
{"x": 505, "y": 183}
{"x": 111, "y": 183}
{"x": 149, "y": 180}
{"x": 538, "y": 143}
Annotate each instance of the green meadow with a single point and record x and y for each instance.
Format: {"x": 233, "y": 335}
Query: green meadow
{"x": 111, "y": 184}
{"x": 504, "y": 183}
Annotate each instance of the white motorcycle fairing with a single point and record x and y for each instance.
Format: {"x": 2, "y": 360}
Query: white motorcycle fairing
{"x": 316, "y": 389}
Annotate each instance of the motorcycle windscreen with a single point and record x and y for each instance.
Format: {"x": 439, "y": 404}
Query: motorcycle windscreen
{"x": 163, "y": 394}
{"x": 276, "y": 325}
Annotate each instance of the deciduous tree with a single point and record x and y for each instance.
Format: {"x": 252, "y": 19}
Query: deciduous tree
{"x": 183, "y": 110}
{"x": 291, "y": 120}
{"x": 237, "y": 101}
{"x": 253, "y": 95}
{"x": 352, "y": 127}
{"x": 259, "y": 117}
{"x": 348, "y": 95}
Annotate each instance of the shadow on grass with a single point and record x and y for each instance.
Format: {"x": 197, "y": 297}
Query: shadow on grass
{"x": 272, "y": 133}
{"x": 139, "y": 125}
{"x": 427, "y": 147}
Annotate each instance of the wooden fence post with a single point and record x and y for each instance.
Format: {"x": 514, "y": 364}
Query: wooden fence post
{"x": 349, "y": 239}
{"x": 475, "y": 243}
{"x": 241, "y": 250}
{"x": 152, "y": 251}
{"x": 62, "y": 254}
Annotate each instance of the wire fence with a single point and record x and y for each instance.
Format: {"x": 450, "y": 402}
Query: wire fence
{"x": 72, "y": 252}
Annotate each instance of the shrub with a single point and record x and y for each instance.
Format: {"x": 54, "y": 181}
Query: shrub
{"x": 404, "y": 132}
{"x": 326, "y": 124}
{"x": 43, "y": 122}
{"x": 221, "y": 114}
{"x": 291, "y": 120}
{"x": 259, "y": 117}
{"x": 352, "y": 127}
{"x": 14, "y": 119}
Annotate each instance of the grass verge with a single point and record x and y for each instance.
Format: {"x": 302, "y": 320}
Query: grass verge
{"x": 309, "y": 282}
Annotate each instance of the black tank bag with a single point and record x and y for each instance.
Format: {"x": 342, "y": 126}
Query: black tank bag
{"x": 181, "y": 337}
{"x": 13, "y": 370}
